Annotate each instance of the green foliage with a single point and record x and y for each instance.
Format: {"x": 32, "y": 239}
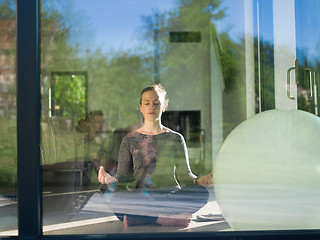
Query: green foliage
{"x": 7, "y": 9}
{"x": 194, "y": 58}
{"x": 8, "y": 177}
{"x": 114, "y": 84}
{"x": 266, "y": 75}
{"x": 115, "y": 78}
{"x": 70, "y": 95}
{"x": 229, "y": 57}
{"x": 8, "y": 153}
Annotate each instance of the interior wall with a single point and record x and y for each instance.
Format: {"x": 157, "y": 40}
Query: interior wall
{"x": 194, "y": 82}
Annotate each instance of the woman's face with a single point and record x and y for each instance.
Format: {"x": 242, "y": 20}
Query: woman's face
{"x": 97, "y": 124}
{"x": 151, "y": 106}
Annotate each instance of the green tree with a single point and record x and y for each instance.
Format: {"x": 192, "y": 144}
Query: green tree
{"x": 115, "y": 83}
{"x": 8, "y": 126}
{"x": 7, "y": 9}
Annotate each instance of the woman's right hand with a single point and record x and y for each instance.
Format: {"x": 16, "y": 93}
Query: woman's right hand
{"x": 105, "y": 178}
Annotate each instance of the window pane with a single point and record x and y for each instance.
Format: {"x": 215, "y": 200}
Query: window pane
{"x": 8, "y": 126}
{"x": 94, "y": 65}
{"x": 223, "y": 64}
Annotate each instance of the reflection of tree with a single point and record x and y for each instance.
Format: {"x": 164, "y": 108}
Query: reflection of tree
{"x": 180, "y": 62}
{"x": 7, "y": 9}
{"x": 232, "y": 57}
{"x": 70, "y": 95}
{"x": 8, "y": 133}
{"x": 189, "y": 16}
{"x": 7, "y": 58}
{"x": 56, "y": 52}
{"x": 184, "y": 67}
{"x": 306, "y": 84}
{"x": 266, "y": 75}
{"x": 115, "y": 84}
{"x": 116, "y": 77}
{"x": 130, "y": 71}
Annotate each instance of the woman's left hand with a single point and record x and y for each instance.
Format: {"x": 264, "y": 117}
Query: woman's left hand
{"x": 206, "y": 180}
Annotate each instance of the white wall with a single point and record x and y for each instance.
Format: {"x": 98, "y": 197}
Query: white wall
{"x": 284, "y": 52}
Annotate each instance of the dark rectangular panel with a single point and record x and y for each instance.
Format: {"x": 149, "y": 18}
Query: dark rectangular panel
{"x": 185, "y": 37}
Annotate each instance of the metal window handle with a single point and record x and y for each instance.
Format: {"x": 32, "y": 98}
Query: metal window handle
{"x": 310, "y": 82}
{"x": 288, "y": 83}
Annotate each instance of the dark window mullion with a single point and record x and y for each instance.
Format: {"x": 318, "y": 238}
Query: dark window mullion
{"x": 28, "y": 120}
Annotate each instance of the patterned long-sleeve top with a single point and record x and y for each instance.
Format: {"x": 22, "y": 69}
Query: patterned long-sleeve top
{"x": 154, "y": 161}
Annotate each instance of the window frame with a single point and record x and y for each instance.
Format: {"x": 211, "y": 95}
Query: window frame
{"x": 28, "y": 120}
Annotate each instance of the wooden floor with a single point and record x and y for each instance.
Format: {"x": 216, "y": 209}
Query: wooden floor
{"x": 96, "y": 218}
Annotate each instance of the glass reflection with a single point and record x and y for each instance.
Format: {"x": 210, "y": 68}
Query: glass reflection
{"x": 221, "y": 62}
{"x": 153, "y": 173}
{"x": 8, "y": 145}
{"x": 307, "y": 56}
{"x": 121, "y": 57}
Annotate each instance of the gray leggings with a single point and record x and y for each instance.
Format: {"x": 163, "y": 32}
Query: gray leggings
{"x": 146, "y": 206}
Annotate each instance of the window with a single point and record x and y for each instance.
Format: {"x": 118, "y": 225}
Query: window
{"x": 242, "y": 80}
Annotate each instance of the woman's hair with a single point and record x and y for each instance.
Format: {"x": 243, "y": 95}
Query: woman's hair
{"x": 159, "y": 90}
{"x": 92, "y": 114}
{"x": 83, "y": 124}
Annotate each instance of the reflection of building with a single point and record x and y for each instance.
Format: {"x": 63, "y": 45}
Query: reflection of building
{"x": 7, "y": 66}
{"x": 188, "y": 123}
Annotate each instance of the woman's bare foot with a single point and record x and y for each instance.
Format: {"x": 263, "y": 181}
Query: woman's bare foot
{"x": 181, "y": 220}
{"x": 131, "y": 221}
{"x": 125, "y": 221}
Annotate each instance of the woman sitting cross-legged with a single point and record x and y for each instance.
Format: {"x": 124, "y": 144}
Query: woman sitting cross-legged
{"x": 154, "y": 183}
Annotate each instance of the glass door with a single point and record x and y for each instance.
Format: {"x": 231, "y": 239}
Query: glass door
{"x": 308, "y": 45}
{"x": 296, "y": 64}
{"x": 267, "y": 167}
{"x": 287, "y": 62}
{"x": 284, "y": 48}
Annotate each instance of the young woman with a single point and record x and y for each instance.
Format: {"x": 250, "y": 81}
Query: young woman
{"x": 154, "y": 181}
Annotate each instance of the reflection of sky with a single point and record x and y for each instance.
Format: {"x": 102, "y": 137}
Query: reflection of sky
{"x": 233, "y": 22}
{"x": 115, "y": 22}
{"x": 307, "y": 24}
